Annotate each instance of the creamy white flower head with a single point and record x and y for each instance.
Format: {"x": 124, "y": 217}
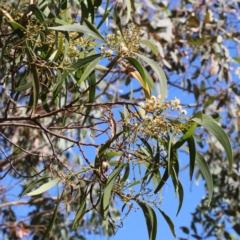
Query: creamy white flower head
{"x": 177, "y": 101}
{"x": 110, "y": 52}
{"x": 159, "y": 97}
{"x": 184, "y": 112}
{"x": 154, "y": 99}
{"x": 142, "y": 105}
{"x": 179, "y": 107}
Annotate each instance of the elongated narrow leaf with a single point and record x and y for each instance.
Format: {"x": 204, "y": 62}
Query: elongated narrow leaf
{"x": 78, "y": 28}
{"x": 105, "y": 146}
{"x": 168, "y": 220}
{"x": 129, "y": 9}
{"x": 57, "y": 53}
{"x": 24, "y": 87}
{"x": 126, "y": 173}
{"x": 93, "y": 28}
{"x": 161, "y": 75}
{"x": 137, "y": 75}
{"x": 151, "y": 45}
{"x": 211, "y": 125}
{"x": 192, "y": 155}
{"x": 202, "y": 164}
{"x": 105, "y": 15}
{"x": 16, "y": 26}
{"x": 186, "y": 135}
{"x": 181, "y": 195}
{"x": 139, "y": 68}
{"x": 44, "y": 187}
{"x": 35, "y": 80}
{"x": 51, "y": 223}
{"x": 117, "y": 19}
{"x": 82, "y": 208}
{"x": 151, "y": 220}
{"x": 108, "y": 190}
{"x": 92, "y": 91}
{"x": 32, "y": 185}
{"x": 133, "y": 184}
{"x": 163, "y": 181}
{"x": 89, "y": 70}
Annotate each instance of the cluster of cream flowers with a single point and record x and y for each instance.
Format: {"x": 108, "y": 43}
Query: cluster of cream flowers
{"x": 154, "y": 115}
{"x": 154, "y": 104}
{"x": 124, "y": 43}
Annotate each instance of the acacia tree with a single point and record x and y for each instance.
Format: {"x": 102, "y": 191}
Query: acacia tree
{"x": 64, "y": 120}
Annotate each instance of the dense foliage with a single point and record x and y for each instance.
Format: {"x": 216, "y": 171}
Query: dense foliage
{"x": 73, "y": 116}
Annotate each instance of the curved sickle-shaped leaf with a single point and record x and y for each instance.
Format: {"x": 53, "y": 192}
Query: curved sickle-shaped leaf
{"x": 151, "y": 45}
{"x": 93, "y": 28}
{"x": 181, "y": 195}
{"x": 211, "y": 125}
{"x": 129, "y": 9}
{"x": 126, "y": 174}
{"x": 78, "y": 28}
{"x": 89, "y": 69}
{"x": 92, "y": 91}
{"x": 117, "y": 19}
{"x": 82, "y": 208}
{"x": 35, "y": 80}
{"x": 186, "y": 135}
{"x": 139, "y": 75}
{"x": 202, "y": 164}
{"x": 151, "y": 220}
{"x": 32, "y": 185}
{"x": 168, "y": 220}
{"x": 192, "y": 154}
{"x": 108, "y": 190}
{"x": 161, "y": 75}
{"x": 50, "y": 225}
{"x": 163, "y": 180}
{"x": 44, "y": 187}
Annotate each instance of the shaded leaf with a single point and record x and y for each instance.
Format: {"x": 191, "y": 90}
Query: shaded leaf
{"x": 44, "y": 187}
{"x": 151, "y": 220}
{"x": 78, "y": 28}
{"x": 108, "y": 190}
{"x": 161, "y": 75}
{"x": 151, "y": 45}
{"x": 168, "y": 220}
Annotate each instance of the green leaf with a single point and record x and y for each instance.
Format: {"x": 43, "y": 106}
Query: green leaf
{"x": 168, "y": 220}
{"x": 151, "y": 45}
{"x": 84, "y": 11}
{"x": 106, "y": 146}
{"x": 126, "y": 173}
{"x": 181, "y": 195}
{"x": 108, "y": 190}
{"x": 32, "y": 185}
{"x": 133, "y": 184}
{"x": 163, "y": 180}
{"x": 161, "y": 75}
{"x": 138, "y": 66}
{"x": 16, "y": 26}
{"x": 57, "y": 53}
{"x": 50, "y": 225}
{"x": 186, "y": 135}
{"x": 112, "y": 154}
{"x": 92, "y": 91}
{"x": 93, "y": 28}
{"x": 211, "y": 125}
{"x": 34, "y": 79}
{"x": 129, "y": 9}
{"x": 89, "y": 69}
{"x": 151, "y": 220}
{"x": 192, "y": 155}
{"x": 202, "y": 164}
{"x": 105, "y": 15}
{"x": 78, "y": 28}
{"x": 117, "y": 19}
{"x": 44, "y": 187}
{"x": 91, "y": 10}
{"x": 82, "y": 208}
{"x": 23, "y": 87}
